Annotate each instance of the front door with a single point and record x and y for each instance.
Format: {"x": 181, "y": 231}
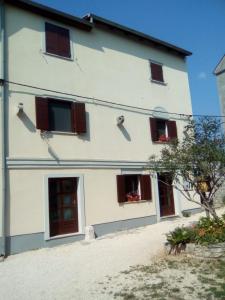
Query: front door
{"x": 63, "y": 208}
{"x": 166, "y": 200}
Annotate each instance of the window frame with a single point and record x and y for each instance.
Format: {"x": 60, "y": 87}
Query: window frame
{"x": 170, "y": 130}
{"x": 144, "y": 188}
{"x": 135, "y": 199}
{"x": 78, "y": 119}
{"x": 163, "y": 76}
{"x": 80, "y": 203}
{"x": 52, "y": 100}
{"x": 44, "y": 45}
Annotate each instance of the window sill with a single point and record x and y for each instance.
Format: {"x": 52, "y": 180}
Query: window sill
{"x": 159, "y": 82}
{"x": 58, "y": 56}
{"x": 63, "y": 236}
{"x": 138, "y": 201}
{"x": 160, "y": 142}
{"x": 60, "y": 132}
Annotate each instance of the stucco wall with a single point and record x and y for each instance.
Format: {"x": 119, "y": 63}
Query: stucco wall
{"x": 105, "y": 66}
{"x": 221, "y": 89}
{"x": 28, "y": 198}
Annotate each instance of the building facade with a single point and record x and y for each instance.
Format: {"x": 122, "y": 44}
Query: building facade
{"x": 84, "y": 104}
{"x": 219, "y": 72}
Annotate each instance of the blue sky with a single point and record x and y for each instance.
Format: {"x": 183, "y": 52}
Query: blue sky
{"x": 196, "y": 25}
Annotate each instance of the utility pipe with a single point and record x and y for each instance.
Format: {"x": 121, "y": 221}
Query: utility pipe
{"x": 2, "y": 129}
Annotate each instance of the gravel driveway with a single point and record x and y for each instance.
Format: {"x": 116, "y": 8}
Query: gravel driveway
{"x": 74, "y": 271}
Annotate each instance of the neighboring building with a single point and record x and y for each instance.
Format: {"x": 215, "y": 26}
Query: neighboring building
{"x": 77, "y": 161}
{"x": 220, "y": 77}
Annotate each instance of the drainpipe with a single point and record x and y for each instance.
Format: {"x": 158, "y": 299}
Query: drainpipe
{"x": 2, "y": 130}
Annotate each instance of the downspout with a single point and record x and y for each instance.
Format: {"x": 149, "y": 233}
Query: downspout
{"x": 2, "y": 125}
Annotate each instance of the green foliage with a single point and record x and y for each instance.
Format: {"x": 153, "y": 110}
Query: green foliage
{"x": 206, "y": 231}
{"x": 180, "y": 235}
{"x": 210, "y": 231}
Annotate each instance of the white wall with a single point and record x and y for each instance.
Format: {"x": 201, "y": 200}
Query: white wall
{"x": 105, "y": 66}
{"x": 28, "y": 197}
{"x": 221, "y": 89}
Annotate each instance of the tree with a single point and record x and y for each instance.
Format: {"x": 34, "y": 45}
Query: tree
{"x": 197, "y": 160}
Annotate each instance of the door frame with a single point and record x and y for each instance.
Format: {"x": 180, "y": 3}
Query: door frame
{"x": 80, "y": 203}
{"x": 176, "y": 198}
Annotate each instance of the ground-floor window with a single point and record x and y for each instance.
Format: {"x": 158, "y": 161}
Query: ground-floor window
{"x": 63, "y": 206}
{"x": 133, "y": 187}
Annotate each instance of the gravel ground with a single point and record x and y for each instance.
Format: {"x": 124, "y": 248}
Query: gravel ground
{"x": 74, "y": 271}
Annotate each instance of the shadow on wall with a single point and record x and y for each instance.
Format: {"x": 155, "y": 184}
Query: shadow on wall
{"x": 105, "y": 39}
{"x": 125, "y": 133}
{"x": 86, "y": 137}
{"x": 27, "y": 122}
{"x": 99, "y": 38}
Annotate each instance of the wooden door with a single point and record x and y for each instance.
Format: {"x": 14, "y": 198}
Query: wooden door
{"x": 166, "y": 200}
{"x": 63, "y": 208}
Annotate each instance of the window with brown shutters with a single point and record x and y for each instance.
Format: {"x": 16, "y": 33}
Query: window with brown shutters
{"x": 57, "y": 40}
{"x": 163, "y": 130}
{"x": 156, "y": 72}
{"x": 133, "y": 187}
{"x": 60, "y": 115}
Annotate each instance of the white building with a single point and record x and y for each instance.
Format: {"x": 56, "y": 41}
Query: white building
{"x": 220, "y": 77}
{"x": 219, "y": 72}
{"x": 78, "y": 126}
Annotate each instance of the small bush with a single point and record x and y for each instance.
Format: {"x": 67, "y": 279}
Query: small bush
{"x": 205, "y": 231}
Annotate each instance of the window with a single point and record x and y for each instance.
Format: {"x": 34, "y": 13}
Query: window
{"x": 133, "y": 188}
{"x": 60, "y": 115}
{"x": 156, "y": 72}
{"x": 163, "y": 130}
{"x": 57, "y": 40}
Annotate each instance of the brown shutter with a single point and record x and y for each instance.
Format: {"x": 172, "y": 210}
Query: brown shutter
{"x": 57, "y": 40}
{"x": 51, "y": 38}
{"x": 157, "y": 72}
{"x": 153, "y": 128}
{"x": 172, "y": 129}
{"x": 64, "y": 42}
{"x": 42, "y": 120}
{"x": 146, "y": 189}
{"x": 79, "y": 118}
{"x": 121, "y": 188}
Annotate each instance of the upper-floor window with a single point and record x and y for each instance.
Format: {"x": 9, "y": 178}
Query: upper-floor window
{"x": 163, "y": 130}
{"x": 60, "y": 115}
{"x": 156, "y": 72}
{"x": 57, "y": 40}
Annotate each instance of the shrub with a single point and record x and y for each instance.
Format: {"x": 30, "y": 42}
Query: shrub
{"x": 205, "y": 231}
{"x": 179, "y": 237}
{"x": 210, "y": 231}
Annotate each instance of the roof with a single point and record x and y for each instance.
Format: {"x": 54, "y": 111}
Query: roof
{"x": 220, "y": 68}
{"x": 51, "y": 13}
{"x": 135, "y": 34}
